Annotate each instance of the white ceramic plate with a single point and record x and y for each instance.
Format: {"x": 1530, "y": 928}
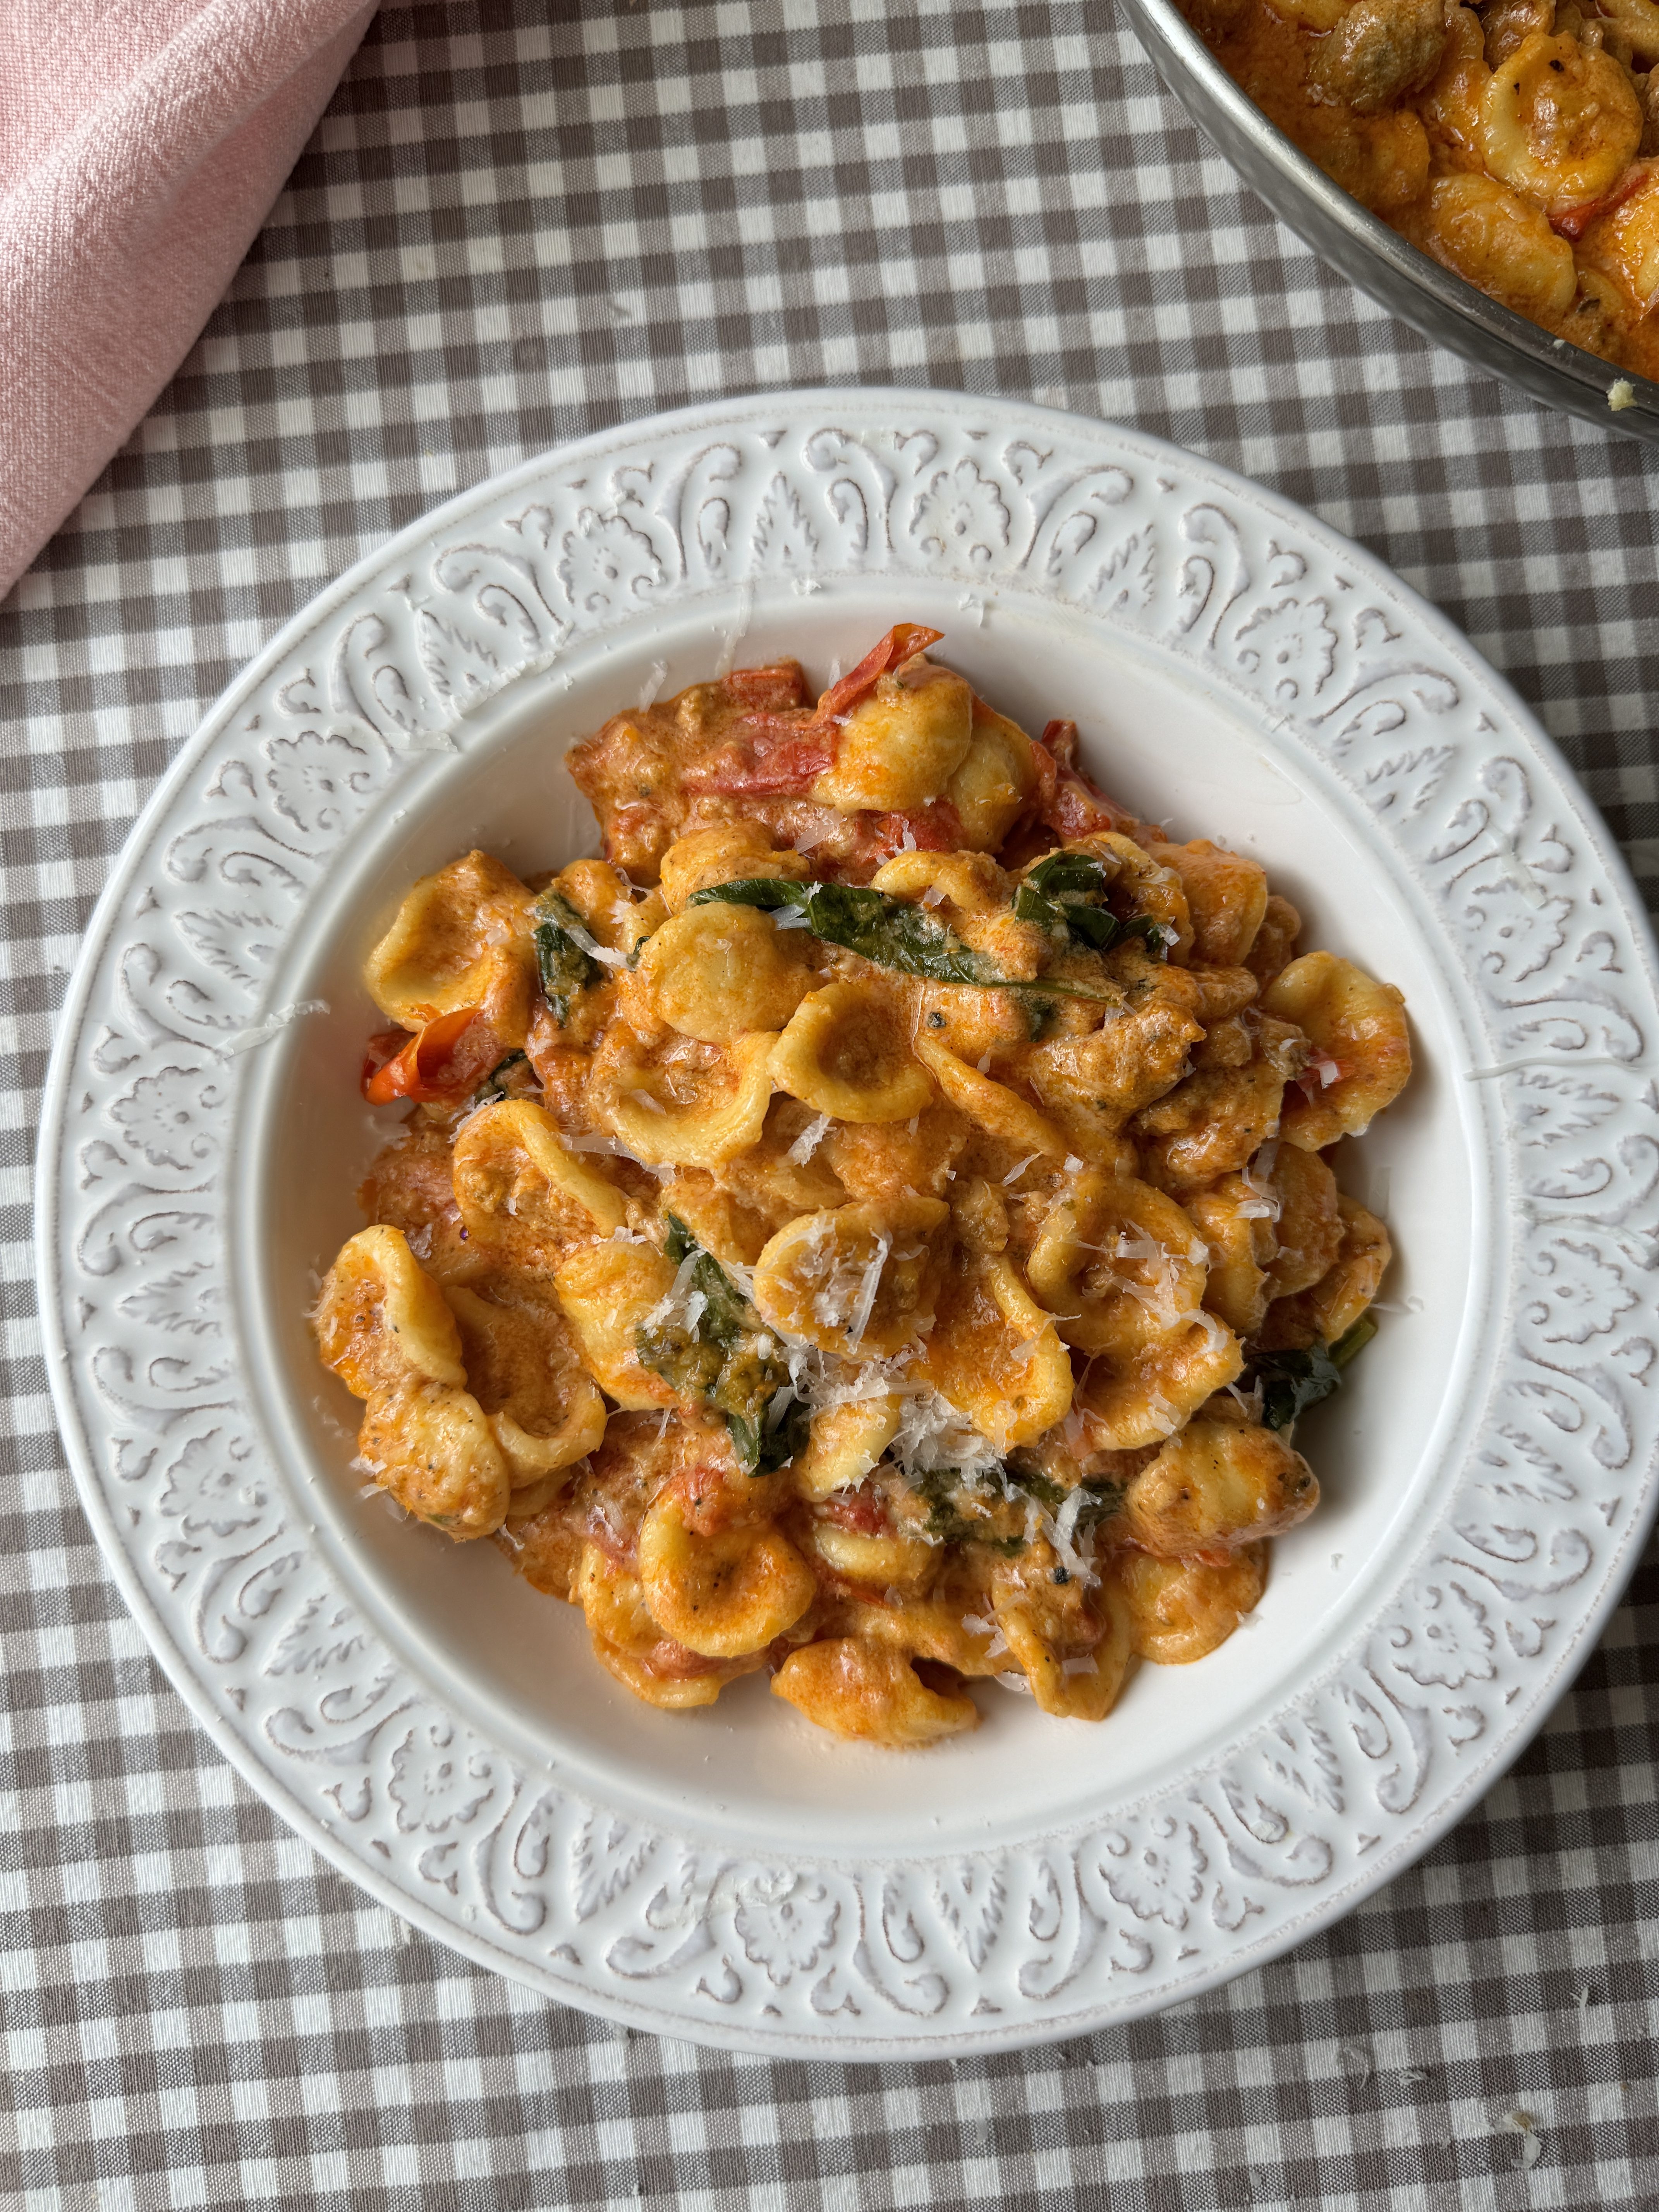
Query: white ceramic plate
{"x": 437, "y": 1729}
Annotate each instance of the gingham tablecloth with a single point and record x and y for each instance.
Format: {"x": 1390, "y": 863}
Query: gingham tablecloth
{"x": 520, "y": 220}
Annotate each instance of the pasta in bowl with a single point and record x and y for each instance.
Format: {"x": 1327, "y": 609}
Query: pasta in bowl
{"x": 879, "y": 1225}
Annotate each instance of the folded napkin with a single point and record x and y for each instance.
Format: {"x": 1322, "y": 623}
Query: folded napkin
{"x": 141, "y": 143}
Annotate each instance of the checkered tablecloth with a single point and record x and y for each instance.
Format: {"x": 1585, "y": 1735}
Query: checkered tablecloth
{"x": 523, "y": 219}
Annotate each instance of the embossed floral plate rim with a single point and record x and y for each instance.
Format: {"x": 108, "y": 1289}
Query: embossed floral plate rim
{"x": 861, "y": 1963}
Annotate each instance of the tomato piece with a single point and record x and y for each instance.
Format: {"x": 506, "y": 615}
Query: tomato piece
{"x": 935, "y": 827}
{"x": 1070, "y": 801}
{"x": 777, "y": 688}
{"x": 782, "y": 766}
{"x": 901, "y": 643}
{"x": 438, "y": 1066}
{"x": 863, "y": 1511}
{"x": 1572, "y": 223}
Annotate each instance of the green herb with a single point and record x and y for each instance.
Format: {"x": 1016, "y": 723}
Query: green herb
{"x": 494, "y": 1086}
{"x": 567, "y": 967}
{"x": 1066, "y": 892}
{"x": 959, "y": 1516}
{"x": 1353, "y": 1340}
{"x": 1291, "y": 1382}
{"x": 893, "y": 932}
{"x": 729, "y": 1359}
{"x": 680, "y": 1243}
{"x": 1101, "y": 1498}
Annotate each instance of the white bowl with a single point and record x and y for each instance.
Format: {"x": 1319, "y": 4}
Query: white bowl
{"x": 438, "y": 1729}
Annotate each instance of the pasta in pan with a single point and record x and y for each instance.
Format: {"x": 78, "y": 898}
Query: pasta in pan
{"x": 879, "y": 1225}
{"x": 1514, "y": 141}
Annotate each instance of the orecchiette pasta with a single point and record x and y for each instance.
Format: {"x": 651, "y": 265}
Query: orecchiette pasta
{"x": 997, "y": 1356}
{"x": 726, "y": 1593}
{"x": 1226, "y": 898}
{"x": 845, "y": 1443}
{"x": 1236, "y": 1221}
{"x": 1363, "y": 1051}
{"x": 1560, "y": 122}
{"x": 845, "y": 1054}
{"x": 725, "y": 853}
{"x": 1216, "y": 1485}
{"x": 993, "y": 785}
{"x": 629, "y": 1644}
{"x": 520, "y": 1192}
{"x": 696, "y": 1109}
{"x": 1183, "y": 1609}
{"x": 1307, "y": 1225}
{"x": 900, "y": 747}
{"x": 1075, "y": 1647}
{"x": 462, "y": 938}
{"x": 1147, "y": 1396}
{"x": 1000, "y": 1111}
{"x": 883, "y": 1563}
{"x": 1325, "y": 1309}
{"x": 1119, "y": 1264}
{"x": 858, "y": 1278}
{"x": 1512, "y": 140}
{"x": 875, "y": 1225}
{"x": 717, "y": 973}
{"x": 607, "y": 1290}
{"x": 383, "y": 1326}
{"x": 857, "y": 1688}
{"x": 1221, "y": 1114}
{"x": 544, "y": 1409}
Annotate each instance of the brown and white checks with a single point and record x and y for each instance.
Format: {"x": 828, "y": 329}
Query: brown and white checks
{"x": 520, "y": 220}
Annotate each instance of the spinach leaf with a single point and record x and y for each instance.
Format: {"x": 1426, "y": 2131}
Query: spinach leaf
{"x": 1291, "y": 1382}
{"x": 1066, "y": 892}
{"x": 1101, "y": 1498}
{"x": 957, "y": 1514}
{"x": 728, "y": 1357}
{"x": 560, "y": 938}
{"x": 893, "y": 933}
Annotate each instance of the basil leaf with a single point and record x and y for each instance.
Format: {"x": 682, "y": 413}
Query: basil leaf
{"x": 1063, "y": 875}
{"x": 767, "y": 892}
{"x": 1149, "y": 930}
{"x": 1291, "y": 1382}
{"x": 565, "y": 966}
{"x": 959, "y": 1516}
{"x": 724, "y": 1358}
{"x": 893, "y": 933}
{"x": 1101, "y": 1498}
{"x": 1066, "y": 892}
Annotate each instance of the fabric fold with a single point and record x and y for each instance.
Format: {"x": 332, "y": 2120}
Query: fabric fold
{"x": 142, "y": 145}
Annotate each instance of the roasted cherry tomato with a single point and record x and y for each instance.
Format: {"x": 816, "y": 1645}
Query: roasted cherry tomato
{"x": 901, "y": 643}
{"x": 439, "y": 1066}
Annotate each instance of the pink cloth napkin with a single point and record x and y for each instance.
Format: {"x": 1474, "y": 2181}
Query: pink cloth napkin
{"x": 141, "y": 143}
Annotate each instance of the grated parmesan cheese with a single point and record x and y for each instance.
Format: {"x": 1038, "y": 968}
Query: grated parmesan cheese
{"x": 808, "y": 1140}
